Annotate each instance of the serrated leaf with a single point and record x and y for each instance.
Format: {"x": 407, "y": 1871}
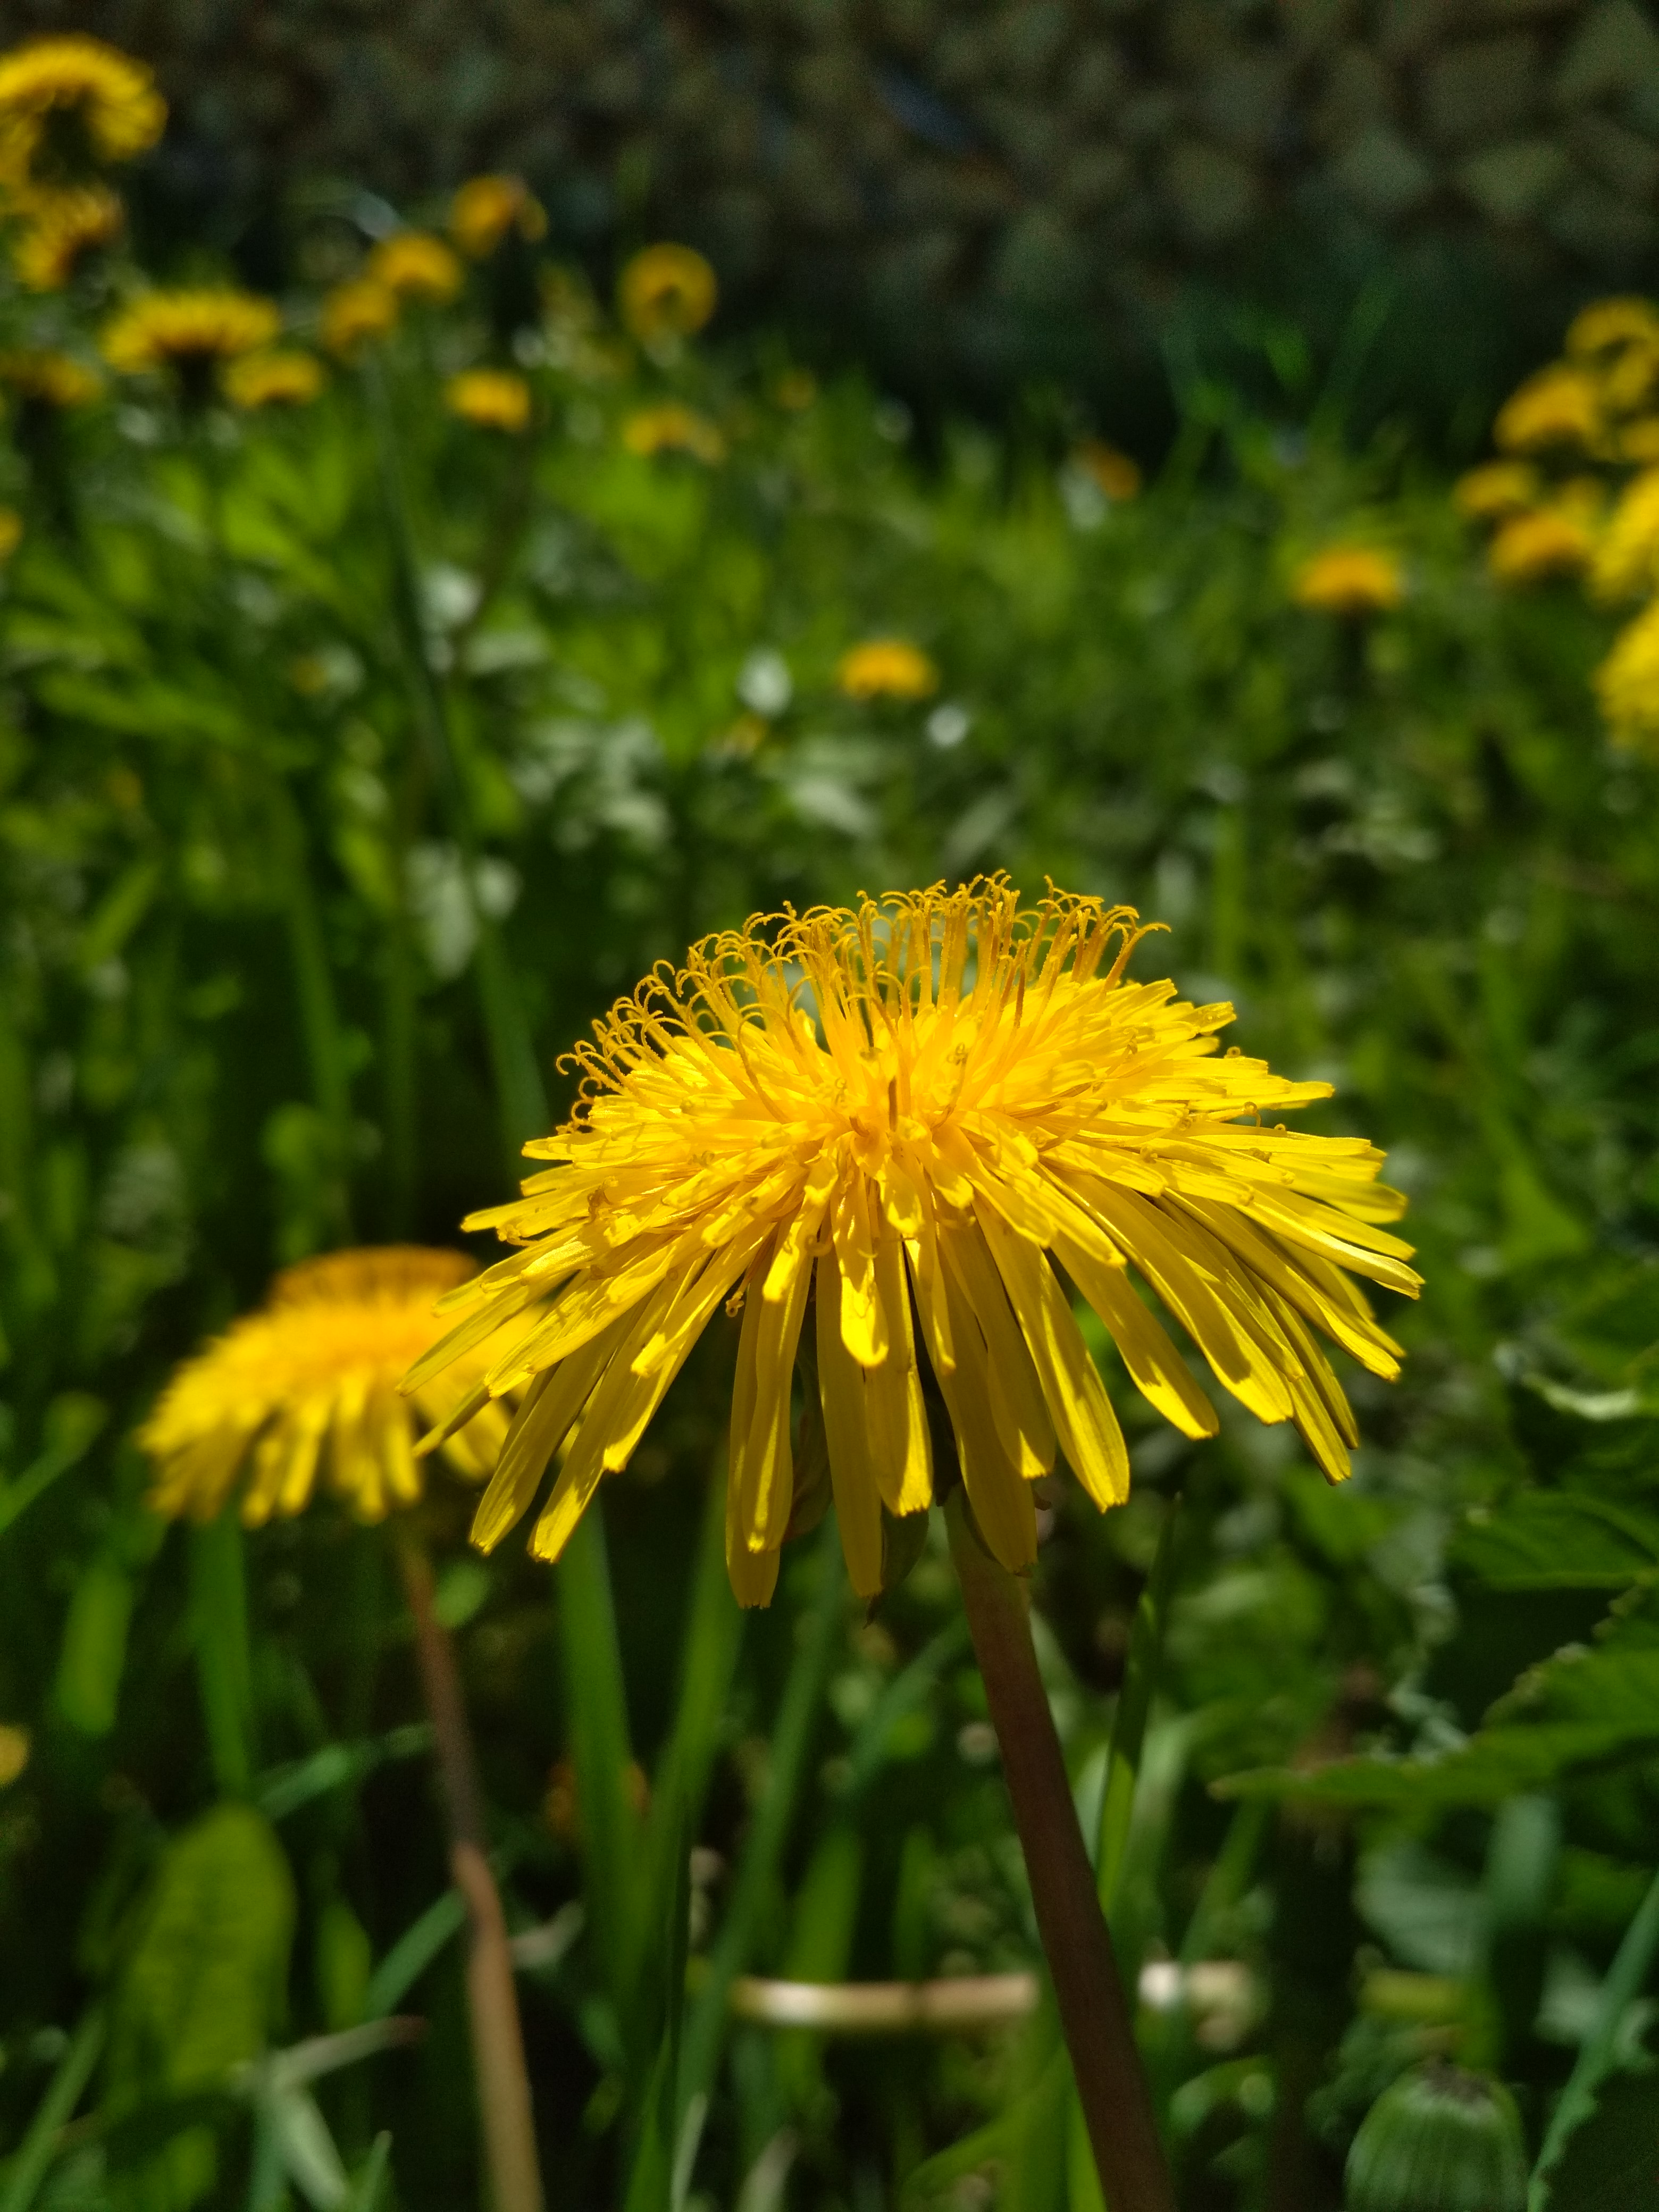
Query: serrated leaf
{"x": 1559, "y": 1539}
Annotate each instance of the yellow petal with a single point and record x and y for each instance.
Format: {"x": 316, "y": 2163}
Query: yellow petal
{"x": 1011, "y": 1381}
{"x": 550, "y": 1407}
{"x": 852, "y": 1472}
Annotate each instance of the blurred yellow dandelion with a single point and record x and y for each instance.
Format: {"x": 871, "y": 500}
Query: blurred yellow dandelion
{"x": 1350, "y": 579}
{"x": 415, "y": 265}
{"x": 886, "y": 668}
{"x": 355, "y": 311}
{"x": 1639, "y": 441}
{"x": 308, "y": 1385}
{"x": 1497, "y": 488}
{"x": 59, "y": 229}
{"x": 47, "y": 378}
{"x": 494, "y": 398}
{"x": 666, "y": 291}
{"x": 70, "y": 104}
{"x": 1627, "y": 557}
{"x": 1559, "y": 406}
{"x": 192, "y": 332}
{"x": 284, "y": 378}
{"x": 486, "y": 210}
{"x": 937, "y": 1094}
{"x": 1111, "y": 472}
{"x": 15, "y": 1747}
{"x": 673, "y": 428}
{"x": 1606, "y": 324}
{"x": 1627, "y": 682}
{"x": 1551, "y": 541}
{"x": 11, "y": 532}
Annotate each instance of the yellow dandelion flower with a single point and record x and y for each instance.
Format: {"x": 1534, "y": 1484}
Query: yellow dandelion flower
{"x": 355, "y": 311}
{"x": 1113, "y": 472}
{"x": 886, "y": 668}
{"x": 1638, "y": 440}
{"x": 308, "y": 1384}
{"x": 936, "y": 1094}
{"x": 283, "y": 379}
{"x": 1349, "y": 579}
{"x": 494, "y": 398}
{"x": 58, "y": 229}
{"x": 1629, "y": 382}
{"x": 414, "y": 264}
{"x": 190, "y": 333}
{"x": 48, "y": 379}
{"x": 486, "y": 209}
{"x": 15, "y": 1748}
{"x": 666, "y": 291}
{"x": 1606, "y": 324}
{"x": 673, "y": 429}
{"x": 1559, "y": 406}
{"x": 11, "y": 532}
{"x": 70, "y": 104}
{"x": 1627, "y": 682}
{"x": 1627, "y": 558}
{"x": 1497, "y": 489}
{"x": 1551, "y": 541}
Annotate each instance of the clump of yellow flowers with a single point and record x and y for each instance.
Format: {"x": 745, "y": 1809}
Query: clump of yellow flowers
{"x": 1578, "y": 493}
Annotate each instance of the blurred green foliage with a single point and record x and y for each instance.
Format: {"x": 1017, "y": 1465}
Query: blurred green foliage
{"x": 336, "y": 744}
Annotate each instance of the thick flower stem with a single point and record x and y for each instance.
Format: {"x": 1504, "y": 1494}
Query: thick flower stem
{"x": 498, "y": 2060}
{"x": 1111, "y": 2082}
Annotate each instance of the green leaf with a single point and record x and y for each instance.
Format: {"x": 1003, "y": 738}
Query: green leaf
{"x": 1559, "y": 1539}
{"x": 1597, "y": 2060}
{"x": 1612, "y": 2163}
{"x": 202, "y": 1985}
{"x": 93, "y": 1654}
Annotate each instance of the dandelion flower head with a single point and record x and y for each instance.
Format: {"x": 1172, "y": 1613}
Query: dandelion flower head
{"x": 1551, "y": 541}
{"x": 494, "y": 398}
{"x": 414, "y": 264}
{"x": 1559, "y": 406}
{"x": 15, "y": 1747}
{"x": 70, "y": 104}
{"x": 1627, "y": 558}
{"x": 886, "y": 668}
{"x": 486, "y": 210}
{"x": 1608, "y": 324}
{"x": 1638, "y": 440}
{"x": 281, "y": 378}
{"x": 673, "y": 428}
{"x": 48, "y": 379}
{"x": 191, "y": 332}
{"x": 1350, "y": 579}
{"x": 1627, "y": 683}
{"x": 355, "y": 311}
{"x": 308, "y": 1386}
{"x": 59, "y": 229}
{"x": 1494, "y": 489}
{"x": 941, "y": 1097}
{"x": 666, "y": 291}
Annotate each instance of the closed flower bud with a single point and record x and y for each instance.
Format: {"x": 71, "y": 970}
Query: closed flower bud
{"x": 1440, "y": 2140}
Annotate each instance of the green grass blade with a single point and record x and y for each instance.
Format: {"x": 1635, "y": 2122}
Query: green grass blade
{"x": 1625, "y": 1976}
{"x": 1133, "y": 1704}
{"x": 38, "y": 2147}
{"x": 218, "y": 1600}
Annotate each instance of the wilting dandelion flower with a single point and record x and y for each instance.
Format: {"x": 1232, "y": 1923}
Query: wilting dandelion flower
{"x": 59, "y": 229}
{"x": 1559, "y": 406}
{"x": 886, "y": 668}
{"x": 48, "y": 379}
{"x": 68, "y": 106}
{"x": 285, "y": 378}
{"x": 192, "y": 333}
{"x": 673, "y": 429}
{"x": 1495, "y": 489}
{"x": 1627, "y": 682}
{"x": 355, "y": 311}
{"x": 486, "y": 210}
{"x": 1607, "y": 325}
{"x": 1552, "y": 541}
{"x": 308, "y": 1385}
{"x": 494, "y": 398}
{"x": 1349, "y": 579}
{"x": 414, "y": 264}
{"x": 666, "y": 291}
{"x": 909, "y": 1116}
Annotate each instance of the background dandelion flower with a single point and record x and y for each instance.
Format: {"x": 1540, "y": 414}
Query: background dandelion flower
{"x": 355, "y": 311}
{"x": 666, "y": 291}
{"x": 1552, "y": 541}
{"x": 494, "y": 398}
{"x": 886, "y": 668}
{"x": 1559, "y": 406}
{"x": 414, "y": 264}
{"x": 48, "y": 379}
{"x": 486, "y": 209}
{"x": 673, "y": 429}
{"x": 308, "y": 1385}
{"x": 190, "y": 333}
{"x": 935, "y": 1096}
{"x": 70, "y": 104}
{"x": 273, "y": 380}
{"x": 1349, "y": 579}
{"x": 59, "y": 229}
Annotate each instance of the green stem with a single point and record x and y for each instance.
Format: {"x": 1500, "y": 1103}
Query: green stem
{"x": 792, "y": 1739}
{"x": 218, "y": 1602}
{"x": 1625, "y": 1976}
{"x": 314, "y": 987}
{"x": 1111, "y": 2082}
{"x": 39, "y": 2148}
{"x": 521, "y": 1096}
{"x": 505, "y": 2119}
